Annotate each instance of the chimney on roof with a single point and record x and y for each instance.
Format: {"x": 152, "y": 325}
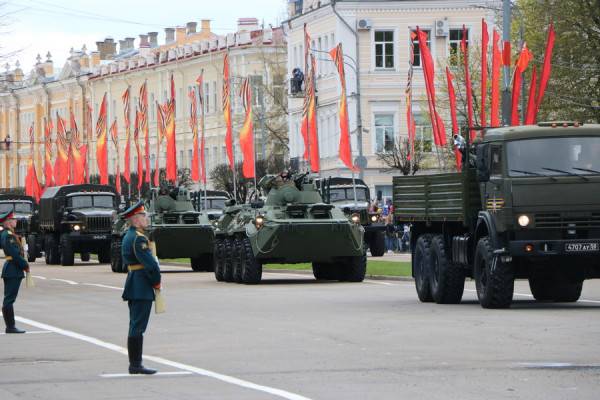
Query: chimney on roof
{"x": 205, "y": 26}
{"x": 129, "y": 43}
{"x": 153, "y": 38}
{"x": 94, "y": 58}
{"x": 191, "y": 27}
{"x": 180, "y": 34}
{"x": 122, "y": 46}
{"x": 169, "y": 35}
{"x": 107, "y": 48}
{"x": 247, "y": 24}
{"x": 144, "y": 43}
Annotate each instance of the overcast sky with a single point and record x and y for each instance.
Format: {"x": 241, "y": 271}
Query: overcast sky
{"x": 39, "y": 26}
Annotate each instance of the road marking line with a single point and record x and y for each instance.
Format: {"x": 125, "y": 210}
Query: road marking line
{"x": 103, "y": 286}
{"x": 141, "y": 375}
{"x": 39, "y": 277}
{"x": 200, "y": 371}
{"x": 380, "y": 283}
{"x": 65, "y": 281}
{"x": 28, "y": 332}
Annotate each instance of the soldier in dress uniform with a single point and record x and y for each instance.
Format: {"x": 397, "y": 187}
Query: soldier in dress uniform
{"x": 13, "y": 270}
{"x": 142, "y": 279}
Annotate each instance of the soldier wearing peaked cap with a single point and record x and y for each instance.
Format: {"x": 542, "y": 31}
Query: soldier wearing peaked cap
{"x": 13, "y": 270}
{"x": 143, "y": 277}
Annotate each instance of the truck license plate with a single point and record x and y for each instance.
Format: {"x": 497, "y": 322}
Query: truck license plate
{"x": 584, "y": 247}
{"x": 99, "y": 237}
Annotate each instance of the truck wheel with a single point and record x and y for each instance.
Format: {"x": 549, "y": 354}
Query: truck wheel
{"x": 354, "y": 269}
{"x": 552, "y": 288}
{"x": 104, "y": 255}
{"x": 377, "y": 244}
{"x": 67, "y": 256}
{"x": 238, "y": 260}
{"x": 494, "y": 279}
{"x": 228, "y": 260}
{"x": 251, "y": 267}
{"x": 421, "y": 260}
{"x": 85, "y": 257}
{"x": 567, "y": 291}
{"x": 447, "y": 280}
{"x": 51, "y": 250}
{"x": 31, "y": 248}
{"x": 326, "y": 271}
{"x": 116, "y": 258}
{"x": 218, "y": 260}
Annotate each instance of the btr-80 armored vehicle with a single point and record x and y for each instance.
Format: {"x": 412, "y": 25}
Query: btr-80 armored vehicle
{"x": 175, "y": 227}
{"x": 292, "y": 226}
{"x": 26, "y": 213}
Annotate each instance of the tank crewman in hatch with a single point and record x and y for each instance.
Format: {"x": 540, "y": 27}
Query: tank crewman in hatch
{"x": 13, "y": 270}
{"x": 142, "y": 279}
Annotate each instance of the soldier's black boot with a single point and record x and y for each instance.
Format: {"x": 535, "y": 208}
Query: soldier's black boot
{"x": 9, "y": 319}
{"x": 134, "y": 348}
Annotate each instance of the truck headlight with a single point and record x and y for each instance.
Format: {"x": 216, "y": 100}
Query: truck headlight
{"x": 523, "y": 220}
{"x": 76, "y": 227}
{"x": 355, "y": 218}
{"x": 373, "y": 218}
{"x": 259, "y": 221}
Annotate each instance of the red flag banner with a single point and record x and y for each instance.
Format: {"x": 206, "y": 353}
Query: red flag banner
{"x": 530, "y": 115}
{"x": 496, "y": 66}
{"x": 345, "y": 151}
{"x": 465, "y": 52}
{"x": 452, "y": 101}
{"x": 546, "y": 69}
{"x": 101, "y": 145}
{"x": 226, "y": 105}
{"x": 522, "y": 62}
{"x": 313, "y": 134}
{"x": 161, "y": 115}
{"x": 77, "y": 161}
{"x": 143, "y": 107}
{"x": 138, "y": 150}
{"x": 307, "y": 83}
{"x": 194, "y": 128}
{"x": 114, "y": 134}
{"x": 48, "y": 170}
{"x": 89, "y": 133}
{"x": 485, "y": 38}
{"x": 247, "y": 132}
{"x": 61, "y": 164}
{"x": 171, "y": 166}
{"x": 127, "y": 120}
{"x": 32, "y": 184}
{"x": 200, "y": 81}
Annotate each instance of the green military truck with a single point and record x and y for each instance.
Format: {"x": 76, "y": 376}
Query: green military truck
{"x": 527, "y": 208}
{"x": 77, "y": 219}
{"x": 26, "y": 212}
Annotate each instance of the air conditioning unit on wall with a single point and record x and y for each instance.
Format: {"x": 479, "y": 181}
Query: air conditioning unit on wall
{"x": 363, "y": 24}
{"x": 441, "y": 28}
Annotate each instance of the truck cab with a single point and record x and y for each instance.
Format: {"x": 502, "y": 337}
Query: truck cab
{"x": 26, "y": 212}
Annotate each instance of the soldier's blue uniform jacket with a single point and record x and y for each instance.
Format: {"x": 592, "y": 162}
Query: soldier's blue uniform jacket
{"x": 135, "y": 250}
{"x": 11, "y": 245}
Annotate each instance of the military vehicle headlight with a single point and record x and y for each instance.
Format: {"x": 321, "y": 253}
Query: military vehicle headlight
{"x": 259, "y": 221}
{"x": 355, "y": 218}
{"x": 523, "y": 220}
{"x": 1, "y": 228}
{"x": 76, "y": 227}
{"x": 373, "y": 218}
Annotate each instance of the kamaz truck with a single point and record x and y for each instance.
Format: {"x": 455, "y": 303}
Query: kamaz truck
{"x": 77, "y": 219}
{"x": 26, "y": 212}
{"x": 527, "y": 208}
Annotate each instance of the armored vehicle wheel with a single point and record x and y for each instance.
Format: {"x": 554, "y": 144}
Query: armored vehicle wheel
{"x": 228, "y": 260}
{"x": 421, "y": 260}
{"x": 219, "y": 260}
{"x": 116, "y": 259}
{"x": 494, "y": 279}
{"x": 447, "y": 280}
{"x": 354, "y": 269}
{"x": 31, "y": 248}
{"x": 377, "y": 244}
{"x": 51, "y": 250}
{"x": 326, "y": 271}
{"x": 238, "y": 260}
{"x": 85, "y": 257}
{"x": 67, "y": 256}
{"x": 104, "y": 255}
{"x": 554, "y": 289}
{"x": 251, "y": 267}
{"x": 203, "y": 263}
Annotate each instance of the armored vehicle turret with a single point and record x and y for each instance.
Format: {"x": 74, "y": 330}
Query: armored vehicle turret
{"x": 293, "y": 225}
{"x": 26, "y": 212}
{"x": 177, "y": 230}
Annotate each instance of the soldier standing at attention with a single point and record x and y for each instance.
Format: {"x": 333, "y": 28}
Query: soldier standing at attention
{"x": 13, "y": 270}
{"x": 142, "y": 279}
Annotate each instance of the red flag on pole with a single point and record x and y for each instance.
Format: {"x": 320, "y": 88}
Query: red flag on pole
{"x": 307, "y": 83}
{"x": 530, "y": 115}
{"x": 61, "y": 164}
{"x": 546, "y": 69}
{"x": 523, "y": 61}
{"x": 76, "y": 157}
{"x": 200, "y": 81}
{"x": 226, "y": 105}
{"x": 496, "y": 66}
{"x": 485, "y": 38}
{"x": 126, "y": 114}
{"x": 101, "y": 145}
{"x": 247, "y": 132}
{"x": 48, "y": 170}
{"x": 143, "y": 107}
{"x": 452, "y": 100}
{"x": 161, "y": 116}
{"x": 32, "y": 184}
{"x": 194, "y": 128}
{"x": 171, "y": 166}
{"x": 337, "y": 55}
{"x": 138, "y": 149}
{"x": 114, "y": 134}
{"x": 89, "y": 133}
{"x": 313, "y": 134}
{"x": 465, "y": 51}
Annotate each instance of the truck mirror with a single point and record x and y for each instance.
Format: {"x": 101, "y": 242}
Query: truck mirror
{"x": 482, "y": 163}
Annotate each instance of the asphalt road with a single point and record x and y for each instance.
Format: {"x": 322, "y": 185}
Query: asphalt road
{"x": 294, "y": 338}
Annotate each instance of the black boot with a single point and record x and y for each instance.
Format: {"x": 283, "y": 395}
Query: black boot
{"x": 9, "y": 319}
{"x": 134, "y": 348}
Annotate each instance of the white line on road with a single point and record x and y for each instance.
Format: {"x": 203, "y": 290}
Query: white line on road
{"x": 200, "y": 371}
{"x": 103, "y": 286}
{"x": 39, "y": 277}
{"x": 65, "y": 281}
{"x": 140, "y": 375}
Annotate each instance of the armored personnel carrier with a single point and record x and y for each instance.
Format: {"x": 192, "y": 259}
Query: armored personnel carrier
{"x": 77, "y": 219}
{"x": 292, "y": 226}
{"x": 26, "y": 212}
{"x": 175, "y": 227}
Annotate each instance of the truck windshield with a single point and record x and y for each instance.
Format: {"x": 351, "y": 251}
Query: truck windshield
{"x": 83, "y": 201}
{"x": 340, "y": 194}
{"x": 216, "y": 204}
{"x": 22, "y": 208}
{"x": 554, "y": 156}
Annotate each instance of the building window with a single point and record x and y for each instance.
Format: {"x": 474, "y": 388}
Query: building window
{"x": 454, "y": 40}
{"x": 384, "y": 49}
{"x": 206, "y": 97}
{"x": 417, "y": 49}
{"x": 423, "y": 135}
{"x": 214, "y": 93}
{"x": 384, "y": 132}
